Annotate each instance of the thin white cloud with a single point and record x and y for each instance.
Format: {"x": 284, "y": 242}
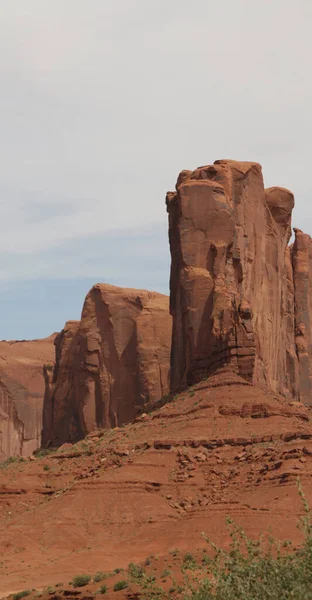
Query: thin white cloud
{"x": 116, "y": 257}
{"x": 102, "y": 103}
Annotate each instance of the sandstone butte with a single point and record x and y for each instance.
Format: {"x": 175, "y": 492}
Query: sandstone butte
{"x": 240, "y": 296}
{"x": 22, "y": 389}
{"x": 110, "y": 365}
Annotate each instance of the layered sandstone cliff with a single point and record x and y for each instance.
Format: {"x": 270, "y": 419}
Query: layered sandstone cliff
{"x": 110, "y": 365}
{"x": 240, "y": 297}
{"x": 22, "y": 389}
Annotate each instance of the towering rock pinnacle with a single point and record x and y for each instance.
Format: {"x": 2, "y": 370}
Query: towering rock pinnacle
{"x": 110, "y": 365}
{"x": 239, "y": 296}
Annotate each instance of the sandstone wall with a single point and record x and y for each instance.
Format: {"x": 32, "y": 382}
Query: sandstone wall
{"x": 302, "y": 270}
{"x": 110, "y": 365}
{"x": 22, "y": 389}
{"x": 239, "y": 296}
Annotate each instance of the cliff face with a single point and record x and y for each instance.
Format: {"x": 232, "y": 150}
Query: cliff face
{"x": 22, "y": 389}
{"x": 302, "y": 269}
{"x": 110, "y": 365}
{"x": 239, "y": 296}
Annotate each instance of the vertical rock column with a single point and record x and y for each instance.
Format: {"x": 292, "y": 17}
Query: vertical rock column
{"x": 216, "y": 251}
{"x": 231, "y": 279}
{"x": 302, "y": 270}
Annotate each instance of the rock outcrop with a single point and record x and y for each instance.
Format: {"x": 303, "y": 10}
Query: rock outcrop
{"x": 22, "y": 390}
{"x": 110, "y": 365}
{"x": 240, "y": 297}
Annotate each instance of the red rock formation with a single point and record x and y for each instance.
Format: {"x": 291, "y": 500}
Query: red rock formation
{"x": 63, "y": 391}
{"x": 111, "y": 364}
{"x": 21, "y": 394}
{"x": 237, "y": 292}
{"x": 302, "y": 269}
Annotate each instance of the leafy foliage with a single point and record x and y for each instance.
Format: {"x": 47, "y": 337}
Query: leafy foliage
{"x": 22, "y": 594}
{"x": 99, "y": 576}
{"x": 81, "y": 580}
{"x": 261, "y": 569}
{"x": 120, "y": 585}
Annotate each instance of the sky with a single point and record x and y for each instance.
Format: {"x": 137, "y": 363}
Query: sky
{"x": 102, "y": 104}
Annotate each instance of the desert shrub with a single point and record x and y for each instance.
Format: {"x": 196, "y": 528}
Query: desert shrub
{"x": 188, "y": 561}
{"x": 22, "y": 594}
{"x": 102, "y": 589}
{"x": 99, "y": 576}
{"x": 120, "y": 585}
{"x": 165, "y": 573}
{"x": 42, "y": 452}
{"x": 81, "y": 580}
{"x": 261, "y": 569}
{"x": 10, "y": 461}
{"x": 135, "y": 571}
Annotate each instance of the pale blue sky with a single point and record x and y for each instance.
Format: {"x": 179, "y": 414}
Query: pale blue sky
{"x": 103, "y": 103}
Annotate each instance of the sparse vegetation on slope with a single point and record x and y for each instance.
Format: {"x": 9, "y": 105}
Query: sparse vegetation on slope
{"x": 251, "y": 569}
{"x": 261, "y": 569}
{"x": 149, "y": 488}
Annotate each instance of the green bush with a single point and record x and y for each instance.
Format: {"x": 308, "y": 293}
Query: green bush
{"x": 261, "y": 569}
{"x": 81, "y": 580}
{"x": 165, "y": 573}
{"x": 22, "y": 594}
{"x": 135, "y": 571}
{"x": 120, "y": 585}
{"x": 103, "y": 589}
{"x": 99, "y": 577}
{"x": 9, "y": 461}
{"x": 189, "y": 561}
{"x": 42, "y": 452}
